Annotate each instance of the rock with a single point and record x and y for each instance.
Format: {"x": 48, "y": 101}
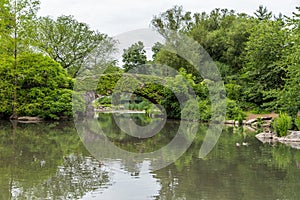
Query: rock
{"x": 251, "y": 121}
{"x": 232, "y": 122}
{"x": 266, "y": 118}
{"x": 295, "y": 145}
{"x": 293, "y": 136}
{"x": 250, "y": 128}
{"x": 292, "y": 139}
{"x": 27, "y": 119}
{"x": 266, "y": 135}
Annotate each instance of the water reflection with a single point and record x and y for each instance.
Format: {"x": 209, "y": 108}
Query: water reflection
{"x": 128, "y": 185}
{"x": 110, "y": 142}
{"x": 36, "y": 163}
{"x": 72, "y": 180}
{"x": 48, "y": 161}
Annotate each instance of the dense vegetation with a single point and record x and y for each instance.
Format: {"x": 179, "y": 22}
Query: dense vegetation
{"x": 40, "y": 57}
{"x": 257, "y": 56}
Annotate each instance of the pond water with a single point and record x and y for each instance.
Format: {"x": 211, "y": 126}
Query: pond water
{"x": 49, "y": 161}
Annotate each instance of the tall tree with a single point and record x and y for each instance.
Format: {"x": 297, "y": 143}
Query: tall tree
{"x": 223, "y": 34}
{"x": 134, "y": 56}
{"x": 263, "y": 71}
{"x": 290, "y": 95}
{"x": 172, "y": 20}
{"x": 6, "y": 21}
{"x": 16, "y": 23}
{"x": 262, "y": 13}
{"x": 67, "y": 41}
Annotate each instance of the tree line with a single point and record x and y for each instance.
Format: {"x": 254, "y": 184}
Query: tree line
{"x": 257, "y": 56}
{"x": 40, "y": 57}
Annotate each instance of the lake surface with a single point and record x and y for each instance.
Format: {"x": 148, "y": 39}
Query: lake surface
{"x": 49, "y": 161}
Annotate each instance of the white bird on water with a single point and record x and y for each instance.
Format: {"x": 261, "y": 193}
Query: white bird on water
{"x": 43, "y": 162}
{"x": 245, "y": 143}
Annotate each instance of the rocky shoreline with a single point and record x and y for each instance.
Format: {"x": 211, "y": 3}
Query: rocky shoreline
{"x": 292, "y": 139}
{"x": 254, "y": 124}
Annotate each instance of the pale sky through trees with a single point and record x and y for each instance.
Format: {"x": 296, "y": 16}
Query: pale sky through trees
{"x": 117, "y": 16}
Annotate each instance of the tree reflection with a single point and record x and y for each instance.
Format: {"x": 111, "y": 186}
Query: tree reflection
{"x": 48, "y": 161}
{"x": 77, "y": 176}
{"x": 229, "y": 172}
{"x": 45, "y": 161}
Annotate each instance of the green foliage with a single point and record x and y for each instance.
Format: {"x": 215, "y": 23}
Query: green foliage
{"x": 44, "y": 89}
{"x": 257, "y": 57}
{"x": 111, "y": 68}
{"x": 297, "y": 122}
{"x": 6, "y": 86}
{"x": 263, "y": 72}
{"x": 174, "y": 19}
{"x": 204, "y": 110}
{"x": 262, "y": 13}
{"x": 107, "y": 82}
{"x": 166, "y": 58}
{"x": 223, "y": 34}
{"x": 17, "y": 20}
{"x": 282, "y": 124}
{"x": 104, "y": 101}
{"x": 134, "y": 56}
{"x": 288, "y": 97}
{"x": 233, "y": 111}
{"x": 233, "y": 91}
{"x": 67, "y": 41}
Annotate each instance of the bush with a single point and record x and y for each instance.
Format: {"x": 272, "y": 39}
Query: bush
{"x": 233, "y": 111}
{"x": 205, "y": 110}
{"x": 233, "y": 91}
{"x": 282, "y": 124}
{"x": 43, "y": 87}
{"x": 297, "y": 122}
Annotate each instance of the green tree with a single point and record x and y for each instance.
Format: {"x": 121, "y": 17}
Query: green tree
{"x": 223, "y": 34}
{"x": 67, "y": 41}
{"x": 134, "y": 56}
{"x": 16, "y": 23}
{"x": 262, "y": 13}
{"x": 172, "y": 20}
{"x": 6, "y": 21}
{"x": 156, "y": 48}
{"x": 263, "y": 73}
{"x": 288, "y": 97}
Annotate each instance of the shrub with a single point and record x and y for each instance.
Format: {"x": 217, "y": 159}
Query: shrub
{"x": 233, "y": 111}
{"x": 297, "y": 122}
{"x": 282, "y": 124}
{"x": 43, "y": 87}
{"x": 233, "y": 91}
{"x": 205, "y": 110}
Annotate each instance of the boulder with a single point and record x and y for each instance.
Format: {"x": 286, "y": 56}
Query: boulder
{"x": 266, "y": 135}
{"x": 251, "y": 121}
{"x": 27, "y": 119}
{"x": 293, "y": 136}
{"x": 292, "y": 139}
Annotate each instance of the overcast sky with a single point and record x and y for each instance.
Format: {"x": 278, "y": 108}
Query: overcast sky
{"x": 117, "y": 16}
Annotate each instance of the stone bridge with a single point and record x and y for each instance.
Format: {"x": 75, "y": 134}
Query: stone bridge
{"x": 147, "y": 86}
